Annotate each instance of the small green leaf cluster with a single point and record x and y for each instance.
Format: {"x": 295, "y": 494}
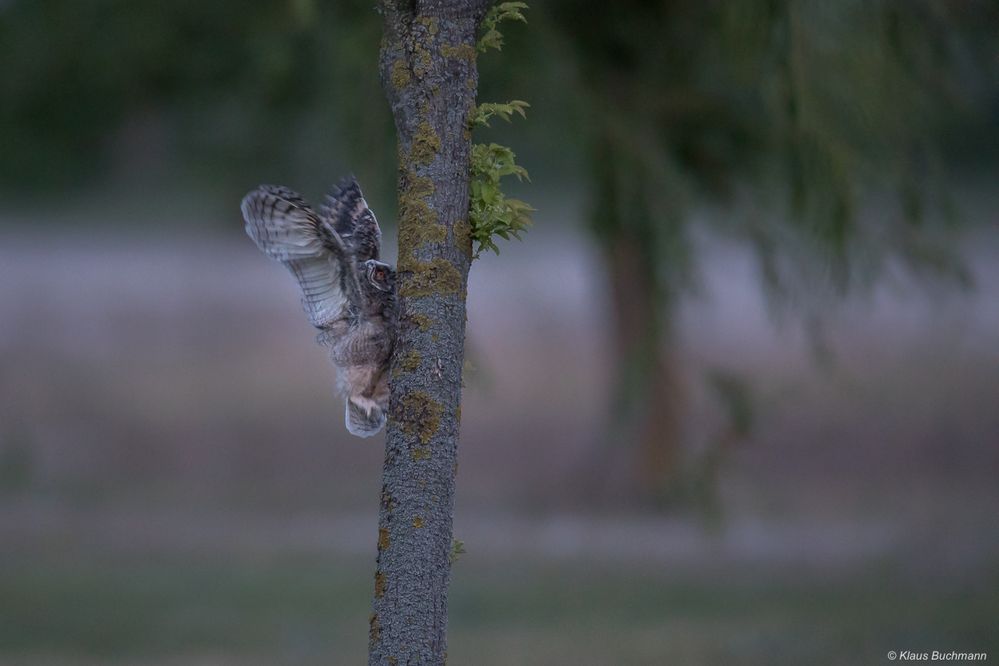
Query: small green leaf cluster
{"x": 491, "y": 213}
{"x": 492, "y": 38}
{"x": 457, "y": 550}
{"x": 486, "y": 110}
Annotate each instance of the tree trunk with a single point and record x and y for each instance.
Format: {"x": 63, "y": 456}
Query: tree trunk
{"x": 648, "y": 404}
{"x": 429, "y": 74}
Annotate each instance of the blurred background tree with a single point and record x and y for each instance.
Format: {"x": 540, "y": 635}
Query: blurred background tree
{"x": 823, "y": 127}
{"x": 825, "y": 135}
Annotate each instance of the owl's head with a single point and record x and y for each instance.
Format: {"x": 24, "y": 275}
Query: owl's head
{"x": 380, "y": 275}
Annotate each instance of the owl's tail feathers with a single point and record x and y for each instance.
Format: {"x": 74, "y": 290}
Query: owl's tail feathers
{"x": 364, "y": 416}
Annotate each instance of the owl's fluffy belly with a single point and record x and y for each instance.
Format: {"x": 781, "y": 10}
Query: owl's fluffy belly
{"x": 362, "y": 357}
{"x": 366, "y": 381}
{"x": 367, "y": 344}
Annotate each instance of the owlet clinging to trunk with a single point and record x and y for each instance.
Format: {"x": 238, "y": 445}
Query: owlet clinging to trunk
{"x": 348, "y": 294}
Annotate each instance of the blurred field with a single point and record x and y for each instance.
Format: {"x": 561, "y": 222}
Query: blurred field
{"x": 307, "y": 609}
{"x": 177, "y": 486}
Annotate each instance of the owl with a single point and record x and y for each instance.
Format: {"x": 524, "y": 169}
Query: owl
{"x": 348, "y": 294}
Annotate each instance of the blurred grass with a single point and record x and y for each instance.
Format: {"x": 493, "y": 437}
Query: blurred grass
{"x": 308, "y": 609}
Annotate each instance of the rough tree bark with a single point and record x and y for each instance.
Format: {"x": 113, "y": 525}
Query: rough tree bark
{"x": 429, "y": 74}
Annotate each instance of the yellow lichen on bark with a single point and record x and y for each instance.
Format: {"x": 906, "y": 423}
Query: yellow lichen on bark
{"x": 411, "y": 361}
{"x": 431, "y": 23}
{"x": 422, "y": 321}
{"x": 413, "y": 200}
{"x": 463, "y": 236}
{"x": 417, "y": 220}
{"x": 459, "y": 52}
{"x": 421, "y": 415}
{"x": 400, "y": 76}
{"x": 414, "y": 234}
{"x": 408, "y": 364}
{"x": 426, "y": 144}
{"x": 437, "y": 276}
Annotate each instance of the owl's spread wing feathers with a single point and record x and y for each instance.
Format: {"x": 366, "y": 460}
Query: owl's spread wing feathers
{"x": 346, "y": 212}
{"x": 281, "y": 224}
{"x": 285, "y": 228}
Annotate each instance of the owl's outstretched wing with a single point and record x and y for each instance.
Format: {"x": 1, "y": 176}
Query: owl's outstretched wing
{"x": 286, "y": 229}
{"x": 346, "y": 211}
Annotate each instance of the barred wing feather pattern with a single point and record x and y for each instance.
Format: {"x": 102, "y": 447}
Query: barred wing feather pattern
{"x": 286, "y": 229}
{"x": 347, "y": 213}
{"x": 347, "y": 293}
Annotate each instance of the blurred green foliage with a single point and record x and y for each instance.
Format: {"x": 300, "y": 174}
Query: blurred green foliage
{"x": 216, "y": 93}
{"x": 802, "y": 113}
{"x": 693, "y": 98}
